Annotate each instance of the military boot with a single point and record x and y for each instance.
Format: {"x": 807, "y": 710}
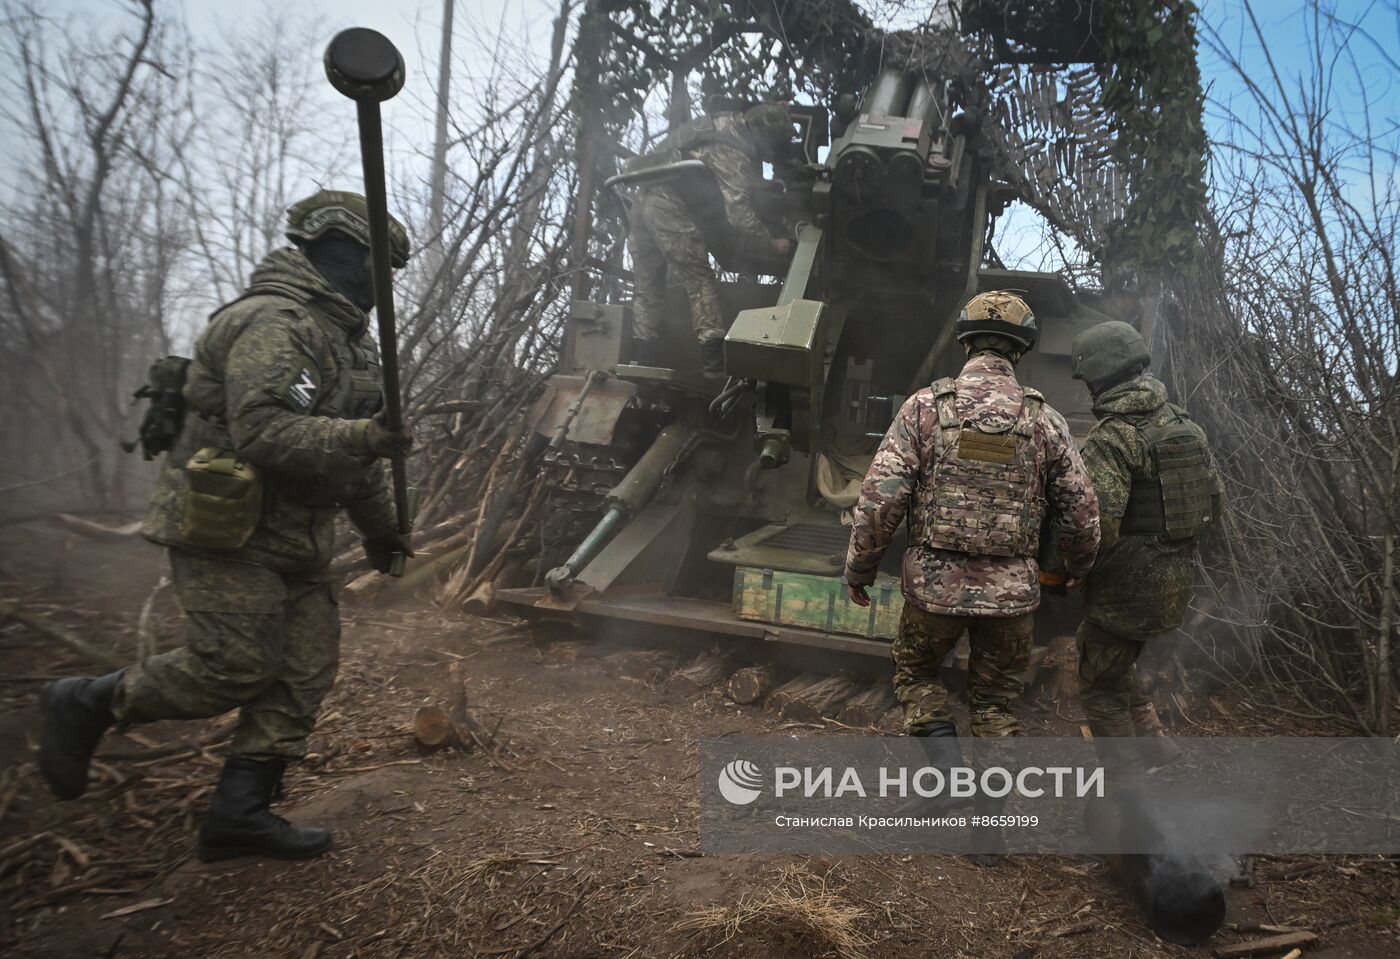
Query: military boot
{"x": 650, "y": 353}
{"x": 944, "y": 752}
{"x": 988, "y": 842}
{"x": 75, "y": 713}
{"x": 239, "y": 822}
{"x": 712, "y": 357}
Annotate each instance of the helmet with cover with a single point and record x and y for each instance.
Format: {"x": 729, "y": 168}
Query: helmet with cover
{"x": 771, "y": 126}
{"x": 999, "y": 321}
{"x": 1108, "y": 354}
{"x": 347, "y": 212}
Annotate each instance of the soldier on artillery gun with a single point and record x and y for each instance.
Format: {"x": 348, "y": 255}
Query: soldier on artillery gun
{"x": 665, "y": 226}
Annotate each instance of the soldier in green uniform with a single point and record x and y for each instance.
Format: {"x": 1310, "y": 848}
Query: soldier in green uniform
{"x": 280, "y": 434}
{"x": 1158, "y": 490}
{"x": 667, "y": 220}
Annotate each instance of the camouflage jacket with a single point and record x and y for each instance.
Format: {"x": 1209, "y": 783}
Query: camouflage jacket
{"x": 943, "y": 581}
{"x": 1140, "y": 585}
{"x": 286, "y": 377}
{"x": 731, "y": 157}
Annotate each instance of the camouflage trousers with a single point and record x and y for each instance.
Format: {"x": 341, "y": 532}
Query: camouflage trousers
{"x": 1000, "y": 652}
{"x": 662, "y": 236}
{"x": 1110, "y": 687}
{"x": 256, "y": 640}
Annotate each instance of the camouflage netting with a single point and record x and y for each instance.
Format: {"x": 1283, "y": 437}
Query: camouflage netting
{"x": 1107, "y": 146}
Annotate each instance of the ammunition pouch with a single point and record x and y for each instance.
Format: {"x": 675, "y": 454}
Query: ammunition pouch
{"x": 1180, "y": 500}
{"x": 223, "y": 502}
{"x": 165, "y": 417}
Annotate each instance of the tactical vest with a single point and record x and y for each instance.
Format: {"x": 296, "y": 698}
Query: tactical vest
{"x": 356, "y": 393}
{"x": 1177, "y": 501}
{"x": 983, "y": 496}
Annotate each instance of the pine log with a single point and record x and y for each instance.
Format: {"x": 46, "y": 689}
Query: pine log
{"x": 704, "y": 671}
{"x": 752, "y": 683}
{"x": 808, "y": 702}
{"x": 433, "y": 728}
{"x": 866, "y": 707}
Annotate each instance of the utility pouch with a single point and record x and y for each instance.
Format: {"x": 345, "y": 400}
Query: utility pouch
{"x": 165, "y": 416}
{"x": 224, "y": 500}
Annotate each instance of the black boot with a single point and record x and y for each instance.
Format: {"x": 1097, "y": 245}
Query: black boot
{"x": 988, "y": 842}
{"x": 75, "y": 713}
{"x": 649, "y": 353}
{"x": 944, "y": 752}
{"x": 240, "y": 824}
{"x": 712, "y": 358}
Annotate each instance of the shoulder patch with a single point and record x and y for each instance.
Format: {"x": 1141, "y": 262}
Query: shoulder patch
{"x": 302, "y": 391}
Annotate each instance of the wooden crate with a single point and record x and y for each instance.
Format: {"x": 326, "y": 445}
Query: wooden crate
{"x": 816, "y": 602}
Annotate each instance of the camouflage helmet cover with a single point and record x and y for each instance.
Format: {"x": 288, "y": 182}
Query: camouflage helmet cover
{"x": 1109, "y": 351}
{"x": 344, "y": 211}
{"x": 771, "y": 124}
{"x": 999, "y": 313}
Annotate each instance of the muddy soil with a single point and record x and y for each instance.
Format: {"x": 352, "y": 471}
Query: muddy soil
{"x": 576, "y": 838}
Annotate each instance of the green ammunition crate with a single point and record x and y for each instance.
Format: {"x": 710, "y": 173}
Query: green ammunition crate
{"x": 816, "y": 602}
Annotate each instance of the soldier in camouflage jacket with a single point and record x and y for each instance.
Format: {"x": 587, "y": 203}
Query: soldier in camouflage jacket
{"x": 1143, "y": 453}
{"x": 973, "y": 463}
{"x": 286, "y": 381}
{"x": 668, "y": 220}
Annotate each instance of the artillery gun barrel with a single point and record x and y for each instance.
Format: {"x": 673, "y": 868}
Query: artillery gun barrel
{"x": 627, "y": 499}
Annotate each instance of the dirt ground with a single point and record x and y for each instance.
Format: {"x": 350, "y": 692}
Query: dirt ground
{"x": 576, "y": 839}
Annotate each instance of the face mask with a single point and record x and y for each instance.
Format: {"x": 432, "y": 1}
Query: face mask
{"x": 345, "y": 264}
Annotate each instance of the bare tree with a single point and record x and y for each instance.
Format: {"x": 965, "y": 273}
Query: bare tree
{"x": 91, "y": 241}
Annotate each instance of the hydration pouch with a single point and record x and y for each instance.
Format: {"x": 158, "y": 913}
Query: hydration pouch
{"x": 224, "y": 500}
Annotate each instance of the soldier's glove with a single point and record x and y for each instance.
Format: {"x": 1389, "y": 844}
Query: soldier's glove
{"x": 384, "y": 442}
{"x": 381, "y": 547}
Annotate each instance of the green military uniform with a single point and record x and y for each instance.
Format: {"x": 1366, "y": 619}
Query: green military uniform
{"x": 286, "y": 377}
{"x": 673, "y": 224}
{"x": 1141, "y": 582}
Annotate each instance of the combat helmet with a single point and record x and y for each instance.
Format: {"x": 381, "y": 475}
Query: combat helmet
{"x": 995, "y": 319}
{"x": 771, "y": 125}
{"x": 1107, "y": 354}
{"x": 344, "y": 211}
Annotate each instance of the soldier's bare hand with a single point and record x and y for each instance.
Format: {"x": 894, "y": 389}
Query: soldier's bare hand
{"x": 858, "y": 595}
{"x": 1072, "y": 583}
{"x": 782, "y": 246}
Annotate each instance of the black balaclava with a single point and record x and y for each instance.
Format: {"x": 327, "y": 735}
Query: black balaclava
{"x": 345, "y": 263}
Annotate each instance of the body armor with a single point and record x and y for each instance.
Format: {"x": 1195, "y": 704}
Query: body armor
{"x": 981, "y": 497}
{"x": 1178, "y": 500}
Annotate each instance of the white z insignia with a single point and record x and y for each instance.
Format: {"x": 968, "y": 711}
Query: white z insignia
{"x": 303, "y": 391}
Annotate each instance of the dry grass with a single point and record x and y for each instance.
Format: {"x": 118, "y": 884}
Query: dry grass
{"x": 799, "y": 903}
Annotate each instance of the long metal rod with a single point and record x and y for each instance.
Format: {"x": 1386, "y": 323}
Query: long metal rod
{"x": 372, "y": 156}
